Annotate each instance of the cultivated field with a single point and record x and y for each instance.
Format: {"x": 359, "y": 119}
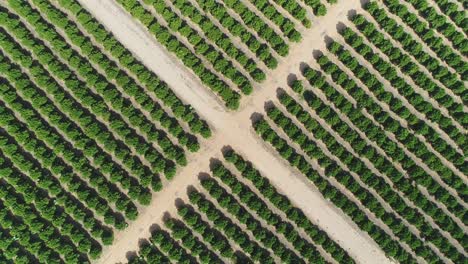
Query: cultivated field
{"x": 249, "y": 131}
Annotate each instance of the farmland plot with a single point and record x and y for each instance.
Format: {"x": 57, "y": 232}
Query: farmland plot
{"x": 87, "y": 130}
{"x": 250, "y": 131}
{"x": 220, "y": 218}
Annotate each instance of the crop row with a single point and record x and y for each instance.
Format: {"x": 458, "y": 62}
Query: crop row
{"x": 396, "y": 106}
{"x": 444, "y": 52}
{"x": 367, "y": 187}
{"x": 377, "y": 88}
{"x": 260, "y": 231}
{"x": 99, "y": 85}
{"x": 17, "y": 238}
{"x": 217, "y": 36}
{"x": 194, "y": 239}
{"x": 451, "y": 9}
{"x": 296, "y": 10}
{"x": 75, "y": 110}
{"x": 250, "y": 200}
{"x": 211, "y": 32}
{"x": 147, "y": 78}
{"x": 171, "y": 248}
{"x": 63, "y": 148}
{"x": 406, "y": 65}
{"x": 61, "y": 207}
{"x": 127, "y": 85}
{"x": 222, "y": 225}
{"x": 12, "y": 145}
{"x": 282, "y": 203}
{"x": 237, "y": 29}
{"x": 167, "y": 39}
{"x": 253, "y": 21}
{"x": 213, "y": 237}
{"x": 375, "y": 134}
{"x": 148, "y": 253}
{"x": 439, "y": 23}
{"x": 318, "y": 8}
{"x": 389, "y": 245}
{"x": 39, "y": 226}
{"x": 87, "y": 97}
{"x": 66, "y": 176}
{"x": 11, "y": 251}
{"x": 410, "y": 141}
{"x": 270, "y": 12}
{"x": 216, "y": 216}
{"x": 40, "y": 101}
{"x": 12, "y": 124}
{"x": 370, "y": 179}
{"x": 392, "y": 149}
{"x": 71, "y": 237}
{"x": 389, "y": 73}
{"x": 190, "y": 242}
{"x": 220, "y": 63}
{"x": 415, "y": 49}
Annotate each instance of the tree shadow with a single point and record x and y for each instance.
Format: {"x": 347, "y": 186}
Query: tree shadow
{"x": 255, "y": 117}
{"x": 269, "y": 105}
{"x": 226, "y": 149}
{"x": 327, "y": 40}
{"x": 340, "y": 26}
{"x": 291, "y": 78}
{"x": 352, "y": 13}
{"x": 203, "y": 176}
{"x": 317, "y": 54}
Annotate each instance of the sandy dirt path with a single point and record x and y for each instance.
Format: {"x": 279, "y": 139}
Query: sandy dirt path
{"x": 234, "y": 129}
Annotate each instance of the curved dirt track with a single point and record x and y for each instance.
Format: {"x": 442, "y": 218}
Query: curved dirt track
{"x": 233, "y": 129}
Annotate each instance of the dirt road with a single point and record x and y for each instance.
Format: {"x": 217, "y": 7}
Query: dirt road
{"x": 234, "y": 129}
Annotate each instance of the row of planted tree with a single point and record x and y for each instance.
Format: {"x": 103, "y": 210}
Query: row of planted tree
{"x": 228, "y": 214}
{"x": 86, "y": 129}
{"x": 202, "y": 35}
{"x": 380, "y": 183}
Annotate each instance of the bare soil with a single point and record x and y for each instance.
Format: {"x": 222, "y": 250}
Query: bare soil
{"x": 233, "y": 129}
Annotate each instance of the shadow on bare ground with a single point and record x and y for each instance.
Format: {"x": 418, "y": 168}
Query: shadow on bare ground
{"x": 317, "y": 53}
{"x": 291, "y": 78}
{"x": 269, "y": 105}
{"x": 255, "y": 117}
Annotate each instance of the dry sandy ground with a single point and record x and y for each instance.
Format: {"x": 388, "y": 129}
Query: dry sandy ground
{"x": 234, "y": 129}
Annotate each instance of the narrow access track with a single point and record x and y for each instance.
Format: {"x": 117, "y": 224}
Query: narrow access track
{"x": 233, "y": 129}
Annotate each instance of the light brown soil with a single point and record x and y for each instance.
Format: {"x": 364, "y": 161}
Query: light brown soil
{"x": 233, "y": 129}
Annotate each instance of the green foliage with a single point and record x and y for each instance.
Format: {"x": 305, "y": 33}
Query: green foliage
{"x": 372, "y": 180}
{"x": 224, "y": 224}
{"x": 190, "y": 242}
{"x": 415, "y": 125}
{"x": 249, "y": 199}
{"x": 91, "y": 126}
{"x": 261, "y": 233}
{"x": 216, "y": 35}
{"x": 427, "y": 35}
{"x": 436, "y": 21}
{"x": 389, "y": 72}
{"x": 166, "y": 244}
{"x": 28, "y": 246}
{"x": 334, "y": 195}
{"x": 150, "y": 254}
{"x": 52, "y": 138}
{"x": 251, "y": 20}
{"x": 318, "y": 8}
{"x": 270, "y": 12}
{"x": 112, "y": 95}
{"x": 404, "y": 62}
{"x": 282, "y": 203}
{"x": 163, "y": 35}
{"x": 377, "y": 135}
